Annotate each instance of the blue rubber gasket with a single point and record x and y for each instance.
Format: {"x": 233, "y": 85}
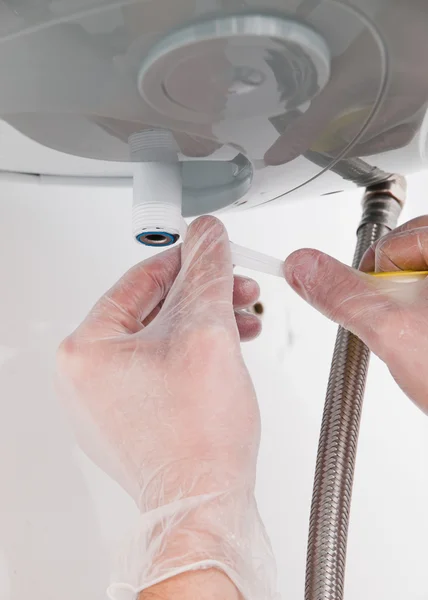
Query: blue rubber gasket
{"x": 170, "y": 239}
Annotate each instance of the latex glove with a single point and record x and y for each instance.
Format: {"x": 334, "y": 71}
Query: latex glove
{"x": 390, "y": 317}
{"x": 163, "y": 402}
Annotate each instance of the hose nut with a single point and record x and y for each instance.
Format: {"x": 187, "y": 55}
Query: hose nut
{"x": 395, "y": 187}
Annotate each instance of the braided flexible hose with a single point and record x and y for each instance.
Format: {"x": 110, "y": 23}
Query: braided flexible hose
{"x": 331, "y": 502}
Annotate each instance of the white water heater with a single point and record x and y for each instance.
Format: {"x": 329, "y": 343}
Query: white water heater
{"x": 260, "y": 99}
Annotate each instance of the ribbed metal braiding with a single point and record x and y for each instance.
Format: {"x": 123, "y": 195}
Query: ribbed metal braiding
{"x": 331, "y": 502}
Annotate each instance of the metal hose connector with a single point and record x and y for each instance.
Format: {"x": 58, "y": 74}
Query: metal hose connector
{"x": 331, "y": 502}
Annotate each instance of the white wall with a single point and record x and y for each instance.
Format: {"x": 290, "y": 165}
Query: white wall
{"x": 61, "y": 519}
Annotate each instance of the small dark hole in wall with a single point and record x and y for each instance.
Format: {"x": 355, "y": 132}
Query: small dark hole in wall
{"x": 259, "y": 309}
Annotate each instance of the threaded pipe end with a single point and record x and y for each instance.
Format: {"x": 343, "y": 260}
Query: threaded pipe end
{"x": 153, "y": 145}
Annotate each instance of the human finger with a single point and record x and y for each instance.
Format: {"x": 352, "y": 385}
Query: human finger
{"x": 203, "y": 290}
{"x": 368, "y": 263}
{"x": 136, "y": 295}
{"x": 346, "y": 296}
{"x": 249, "y": 326}
{"x": 246, "y": 292}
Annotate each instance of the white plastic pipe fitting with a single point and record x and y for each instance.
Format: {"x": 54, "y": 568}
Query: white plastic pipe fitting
{"x": 157, "y": 219}
{"x": 158, "y": 188}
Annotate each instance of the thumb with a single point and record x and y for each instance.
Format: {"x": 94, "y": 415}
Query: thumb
{"x": 352, "y": 299}
{"x": 203, "y": 291}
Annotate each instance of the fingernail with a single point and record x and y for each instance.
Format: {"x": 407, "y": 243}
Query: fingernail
{"x": 301, "y": 268}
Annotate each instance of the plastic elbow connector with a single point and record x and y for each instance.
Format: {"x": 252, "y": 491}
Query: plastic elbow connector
{"x": 158, "y": 191}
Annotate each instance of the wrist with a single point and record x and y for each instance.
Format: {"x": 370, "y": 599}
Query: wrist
{"x": 208, "y": 584}
{"x": 219, "y": 532}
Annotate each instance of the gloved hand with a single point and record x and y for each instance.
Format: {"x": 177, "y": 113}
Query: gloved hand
{"x": 163, "y": 402}
{"x": 390, "y": 317}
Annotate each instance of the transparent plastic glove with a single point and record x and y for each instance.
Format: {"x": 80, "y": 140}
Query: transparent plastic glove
{"x": 390, "y": 316}
{"x": 163, "y": 402}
